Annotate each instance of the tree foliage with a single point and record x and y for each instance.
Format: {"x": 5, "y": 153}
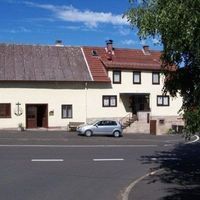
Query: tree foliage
{"x": 177, "y": 23}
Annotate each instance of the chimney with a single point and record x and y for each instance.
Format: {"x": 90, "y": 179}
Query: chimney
{"x": 59, "y": 43}
{"x": 146, "y": 50}
{"x": 109, "y": 45}
{"x": 109, "y": 49}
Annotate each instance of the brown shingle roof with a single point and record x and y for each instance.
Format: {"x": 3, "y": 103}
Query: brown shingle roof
{"x": 42, "y": 63}
{"x": 127, "y": 59}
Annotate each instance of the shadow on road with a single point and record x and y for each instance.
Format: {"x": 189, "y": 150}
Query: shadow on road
{"x": 181, "y": 174}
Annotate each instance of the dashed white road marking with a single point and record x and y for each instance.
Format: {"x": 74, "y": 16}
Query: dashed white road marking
{"x": 47, "y": 160}
{"x": 108, "y": 159}
{"x": 168, "y": 145}
{"x": 163, "y": 159}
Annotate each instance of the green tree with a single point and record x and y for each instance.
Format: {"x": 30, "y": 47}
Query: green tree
{"x": 177, "y": 24}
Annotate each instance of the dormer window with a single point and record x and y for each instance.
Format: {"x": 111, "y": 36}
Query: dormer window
{"x": 116, "y": 76}
{"x": 94, "y": 53}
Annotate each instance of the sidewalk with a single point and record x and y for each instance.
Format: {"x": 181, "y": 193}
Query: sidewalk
{"x": 150, "y": 188}
{"x": 179, "y": 178}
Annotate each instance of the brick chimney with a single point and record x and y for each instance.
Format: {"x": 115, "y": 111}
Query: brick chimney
{"x": 59, "y": 43}
{"x": 146, "y": 50}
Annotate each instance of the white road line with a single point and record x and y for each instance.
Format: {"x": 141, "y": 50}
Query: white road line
{"x": 108, "y": 159}
{"x": 79, "y": 146}
{"x": 168, "y": 145}
{"x": 164, "y": 159}
{"x": 125, "y": 195}
{"x": 193, "y": 141}
{"x": 47, "y": 160}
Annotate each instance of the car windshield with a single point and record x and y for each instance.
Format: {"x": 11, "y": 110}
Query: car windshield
{"x": 92, "y": 122}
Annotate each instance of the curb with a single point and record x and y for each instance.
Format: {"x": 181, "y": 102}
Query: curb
{"x": 126, "y": 193}
{"x": 193, "y": 141}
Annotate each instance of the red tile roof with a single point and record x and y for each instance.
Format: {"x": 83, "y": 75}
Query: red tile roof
{"x": 125, "y": 59}
{"x": 97, "y": 68}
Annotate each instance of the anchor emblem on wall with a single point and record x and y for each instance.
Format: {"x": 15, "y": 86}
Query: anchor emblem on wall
{"x": 18, "y": 110}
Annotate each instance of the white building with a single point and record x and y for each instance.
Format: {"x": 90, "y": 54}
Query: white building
{"x": 50, "y": 86}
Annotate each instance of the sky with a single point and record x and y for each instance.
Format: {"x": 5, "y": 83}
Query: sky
{"x": 75, "y": 22}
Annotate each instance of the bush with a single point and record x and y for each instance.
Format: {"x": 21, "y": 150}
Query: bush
{"x": 192, "y": 121}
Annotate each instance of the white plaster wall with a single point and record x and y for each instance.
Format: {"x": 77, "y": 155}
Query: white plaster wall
{"x": 96, "y": 91}
{"x": 44, "y": 93}
{"x": 87, "y": 102}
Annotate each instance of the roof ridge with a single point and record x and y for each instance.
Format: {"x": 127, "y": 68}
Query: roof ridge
{"x": 121, "y": 48}
{"x": 35, "y": 45}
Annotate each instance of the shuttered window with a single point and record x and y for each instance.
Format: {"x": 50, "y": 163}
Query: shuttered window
{"x": 5, "y": 110}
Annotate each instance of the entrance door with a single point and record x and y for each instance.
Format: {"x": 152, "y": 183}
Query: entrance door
{"x": 139, "y": 102}
{"x": 153, "y": 127}
{"x": 36, "y": 115}
{"x": 31, "y": 116}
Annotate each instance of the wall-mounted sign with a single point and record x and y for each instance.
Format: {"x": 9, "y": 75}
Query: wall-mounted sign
{"x": 51, "y": 113}
{"x": 18, "y": 110}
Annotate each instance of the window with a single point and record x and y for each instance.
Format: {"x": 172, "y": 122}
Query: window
{"x": 137, "y": 77}
{"x": 117, "y": 76}
{"x": 162, "y": 100}
{"x": 107, "y": 123}
{"x": 94, "y": 53}
{"x": 66, "y": 111}
{"x": 109, "y": 101}
{"x": 156, "y": 78}
{"x": 5, "y": 110}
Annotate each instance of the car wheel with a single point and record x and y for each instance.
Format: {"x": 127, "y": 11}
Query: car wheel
{"x": 88, "y": 133}
{"x": 116, "y": 134}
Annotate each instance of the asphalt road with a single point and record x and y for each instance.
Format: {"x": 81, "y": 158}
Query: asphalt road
{"x": 64, "y": 166}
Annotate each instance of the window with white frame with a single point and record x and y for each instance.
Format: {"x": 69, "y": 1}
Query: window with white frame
{"x": 156, "y": 78}
{"x": 162, "y": 100}
{"x": 66, "y": 111}
{"x": 136, "y": 77}
{"x": 117, "y": 76}
{"x": 109, "y": 101}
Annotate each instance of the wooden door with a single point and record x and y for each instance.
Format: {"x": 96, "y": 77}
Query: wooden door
{"x": 42, "y": 116}
{"x": 153, "y": 127}
{"x": 31, "y": 116}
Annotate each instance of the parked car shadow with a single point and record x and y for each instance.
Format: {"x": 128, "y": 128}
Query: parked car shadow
{"x": 181, "y": 174}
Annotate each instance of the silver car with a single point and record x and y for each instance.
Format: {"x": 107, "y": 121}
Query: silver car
{"x": 101, "y": 127}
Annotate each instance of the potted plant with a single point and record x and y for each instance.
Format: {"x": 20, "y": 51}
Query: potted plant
{"x": 20, "y": 127}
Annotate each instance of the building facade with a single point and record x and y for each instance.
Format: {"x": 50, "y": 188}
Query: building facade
{"x": 50, "y": 86}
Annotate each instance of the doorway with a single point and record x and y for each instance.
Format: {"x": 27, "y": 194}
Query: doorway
{"x": 139, "y": 102}
{"x": 36, "y": 115}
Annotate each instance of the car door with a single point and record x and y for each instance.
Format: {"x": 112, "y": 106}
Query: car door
{"x": 111, "y": 125}
{"x": 100, "y": 128}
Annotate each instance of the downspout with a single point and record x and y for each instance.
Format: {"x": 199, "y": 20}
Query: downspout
{"x": 86, "y": 101}
{"x": 86, "y": 85}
